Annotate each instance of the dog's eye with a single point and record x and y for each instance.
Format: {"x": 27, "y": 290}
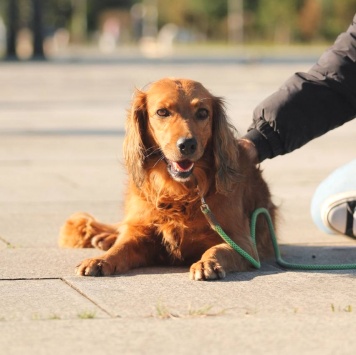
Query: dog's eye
{"x": 163, "y": 112}
{"x": 202, "y": 114}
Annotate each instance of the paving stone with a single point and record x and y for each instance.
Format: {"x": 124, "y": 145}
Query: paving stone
{"x": 319, "y": 254}
{"x": 3, "y": 245}
{"x": 248, "y": 334}
{"x": 81, "y": 145}
{"x": 148, "y": 292}
{"x": 37, "y": 224}
{"x": 55, "y": 182}
{"x": 43, "y": 300}
{"x": 38, "y": 263}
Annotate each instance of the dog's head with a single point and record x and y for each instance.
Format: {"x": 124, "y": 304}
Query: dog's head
{"x": 178, "y": 121}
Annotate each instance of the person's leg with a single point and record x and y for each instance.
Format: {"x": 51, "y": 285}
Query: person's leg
{"x": 333, "y": 206}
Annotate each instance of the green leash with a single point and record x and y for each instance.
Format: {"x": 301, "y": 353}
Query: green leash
{"x": 256, "y": 263}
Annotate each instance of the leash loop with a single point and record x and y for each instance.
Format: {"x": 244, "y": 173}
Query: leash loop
{"x": 210, "y": 217}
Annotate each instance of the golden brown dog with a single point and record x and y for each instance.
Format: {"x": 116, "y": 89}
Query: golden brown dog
{"x": 179, "y": 146}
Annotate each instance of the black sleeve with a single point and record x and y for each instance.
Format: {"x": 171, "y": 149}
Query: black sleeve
{"x": 309, "y": 104}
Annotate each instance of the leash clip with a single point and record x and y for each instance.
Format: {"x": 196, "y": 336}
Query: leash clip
{"x": 204, "y": 206}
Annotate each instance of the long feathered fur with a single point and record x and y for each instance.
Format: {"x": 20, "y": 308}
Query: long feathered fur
{"x": 134, "y": 145}
{"x": 224, "y": 144}
{"x": 163, "y": 222}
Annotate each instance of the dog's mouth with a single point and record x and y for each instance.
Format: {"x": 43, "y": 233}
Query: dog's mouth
{"x": 180, "y": 170}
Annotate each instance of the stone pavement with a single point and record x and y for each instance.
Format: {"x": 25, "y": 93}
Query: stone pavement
{"x": 61, "y": 131}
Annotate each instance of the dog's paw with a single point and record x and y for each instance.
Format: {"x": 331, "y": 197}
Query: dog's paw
{"x": 206, "y": 270}
{"x": 95, "y": 267}
{"x": 103, "y": 241}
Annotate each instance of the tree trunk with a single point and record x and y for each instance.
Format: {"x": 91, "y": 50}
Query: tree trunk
{"x": 12, "y": 29}
{"x": 37, "y": 28}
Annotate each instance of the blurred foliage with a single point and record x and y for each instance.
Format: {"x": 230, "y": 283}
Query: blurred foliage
{"x": 207, "y": 17}
{"x": 264, "y": 20}
{"x": 271, "y": 21}
{"x": 95, "y": 7}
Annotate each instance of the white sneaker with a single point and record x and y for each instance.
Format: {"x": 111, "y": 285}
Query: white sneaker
{"x": 339, "y": 213}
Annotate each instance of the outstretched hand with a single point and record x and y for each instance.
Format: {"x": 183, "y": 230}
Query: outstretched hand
{"x": 250, "y": 149}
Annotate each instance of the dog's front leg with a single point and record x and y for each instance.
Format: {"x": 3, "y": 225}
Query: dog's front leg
{"x": 134, "y": 248}
{"x": 219, "y": 260}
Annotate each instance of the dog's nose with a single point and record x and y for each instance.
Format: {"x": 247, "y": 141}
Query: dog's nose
{"x": 187, "y": 146}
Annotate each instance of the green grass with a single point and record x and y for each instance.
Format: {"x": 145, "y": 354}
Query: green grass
{"x": 163, "y": 312}
{"x": 86, "y": 315}
{"x": 54, "y": 317}
{"x": 347, "y": 309}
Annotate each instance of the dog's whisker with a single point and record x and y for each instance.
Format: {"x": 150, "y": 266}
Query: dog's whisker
{"x": 151, "y": 148}
{"x": 160, "y": 159}
{"x": 154, "y": 151}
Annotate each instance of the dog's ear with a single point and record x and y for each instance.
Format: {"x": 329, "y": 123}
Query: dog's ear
{"x": 134, "y": 146}
{"x": 225, "y": 149}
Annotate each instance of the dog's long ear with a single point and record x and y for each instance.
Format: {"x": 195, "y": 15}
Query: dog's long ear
{"x": 134, "y": 146}
{"x": 224, "y": 148}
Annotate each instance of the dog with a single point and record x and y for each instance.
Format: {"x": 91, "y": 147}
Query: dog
{"x": 179, "y": 148}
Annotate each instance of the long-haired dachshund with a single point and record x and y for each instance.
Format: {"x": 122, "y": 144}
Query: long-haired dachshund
{"x": 178, "y": 148}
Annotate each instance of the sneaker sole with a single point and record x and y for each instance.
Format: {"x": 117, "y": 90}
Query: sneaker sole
{"x": 337, "y": 208}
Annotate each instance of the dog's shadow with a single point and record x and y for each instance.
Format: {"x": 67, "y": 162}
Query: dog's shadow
{"x": 296, "y": 254}
{"x": 314, "y": 255}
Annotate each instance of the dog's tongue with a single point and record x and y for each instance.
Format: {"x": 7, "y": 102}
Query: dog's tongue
{"x": 184, "y": 165}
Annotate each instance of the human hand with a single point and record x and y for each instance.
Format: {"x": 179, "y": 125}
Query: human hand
{"x": 250, "y": 149}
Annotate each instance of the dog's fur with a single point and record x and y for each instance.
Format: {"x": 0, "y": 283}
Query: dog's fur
{"x": 163, "y": 223}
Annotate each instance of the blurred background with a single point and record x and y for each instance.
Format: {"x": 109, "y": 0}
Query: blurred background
{"x": 60, "y": 29}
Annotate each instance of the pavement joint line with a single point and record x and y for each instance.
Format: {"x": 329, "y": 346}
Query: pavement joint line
{"x": 8, "y": 244}
{"x": 63, "y": 132}
{"x": 31, "y": 278}
{"x": 49, "y": 202}
{"x": 88, "y": 298}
